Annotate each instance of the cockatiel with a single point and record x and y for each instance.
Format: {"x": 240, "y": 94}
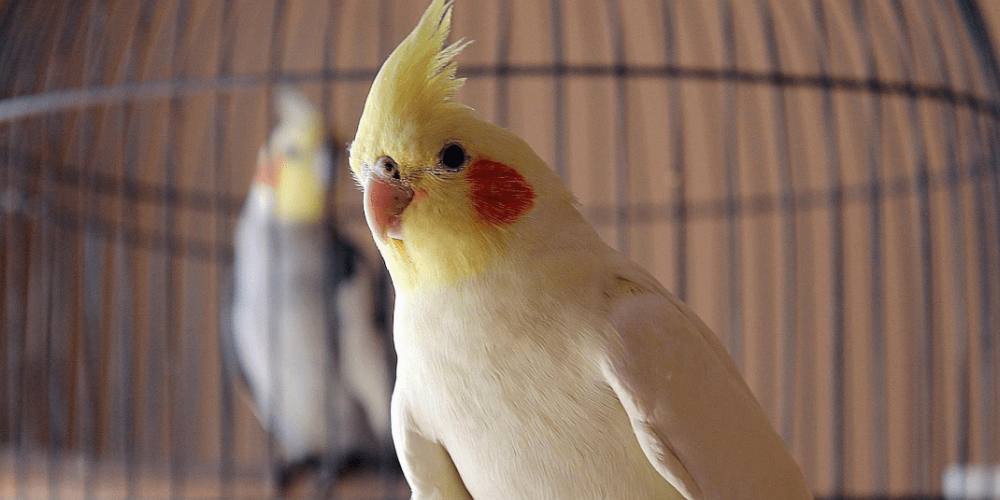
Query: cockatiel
{"x": 534, "y": 361}
{"x": 294, "y": 273}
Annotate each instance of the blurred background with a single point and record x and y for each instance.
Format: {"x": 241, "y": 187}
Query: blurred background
{"x": 820, "y": 180}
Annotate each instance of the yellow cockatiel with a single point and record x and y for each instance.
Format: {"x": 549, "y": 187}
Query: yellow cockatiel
{"x": 534, "y": 361}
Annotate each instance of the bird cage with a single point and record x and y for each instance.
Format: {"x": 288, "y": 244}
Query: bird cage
{"x": 818, "y": 179}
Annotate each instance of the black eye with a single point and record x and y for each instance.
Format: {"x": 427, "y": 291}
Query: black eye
{"x": 453, "y": 157}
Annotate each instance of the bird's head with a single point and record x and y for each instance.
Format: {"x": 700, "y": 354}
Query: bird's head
{"x": 295, "y": 163}
{"x": 445, "y": 192}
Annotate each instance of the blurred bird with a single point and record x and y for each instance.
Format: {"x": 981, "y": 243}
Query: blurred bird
{"x": 534, "y": 360}
{"x": 310, "y": 314}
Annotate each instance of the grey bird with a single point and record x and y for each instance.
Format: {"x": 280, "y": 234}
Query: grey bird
{"x": 309, "y": 329}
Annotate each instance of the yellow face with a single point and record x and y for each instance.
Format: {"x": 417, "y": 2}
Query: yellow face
{"x": 448, "y": 215}
{"x": 445, "y": 191}
{"x": 295, "y": 162}
{"x": 300, "y": 195}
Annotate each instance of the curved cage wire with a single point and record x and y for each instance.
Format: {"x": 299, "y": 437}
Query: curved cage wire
{"x": 818, "y": 179}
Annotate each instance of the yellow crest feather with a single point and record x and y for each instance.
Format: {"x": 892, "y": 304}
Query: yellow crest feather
{"x": 416, "y": 81}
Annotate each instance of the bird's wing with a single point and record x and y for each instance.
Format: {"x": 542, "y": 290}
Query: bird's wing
{"x": 227, "y": 345}
{"x": 694, "y": 416}
{"x": 345, "y": 263}
{"x": 357, "y": 330}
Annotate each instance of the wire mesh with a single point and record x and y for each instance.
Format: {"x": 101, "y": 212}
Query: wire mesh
{"x": 818, "y": 179}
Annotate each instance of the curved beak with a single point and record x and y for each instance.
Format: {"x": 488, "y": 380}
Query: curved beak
{"x": 385, "y": 200}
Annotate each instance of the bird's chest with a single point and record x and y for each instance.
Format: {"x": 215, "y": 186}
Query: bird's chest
{"x": 511, "y": 397}
{"x": 509, "y": 363}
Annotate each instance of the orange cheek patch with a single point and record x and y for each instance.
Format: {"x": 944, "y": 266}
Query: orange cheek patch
{"x": 500, "y": 195}
{"x": 268, "y": 173}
